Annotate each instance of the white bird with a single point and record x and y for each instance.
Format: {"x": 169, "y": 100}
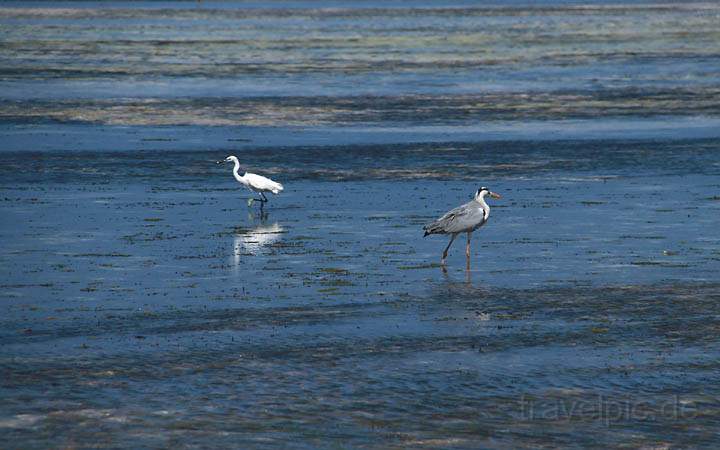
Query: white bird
{"x": 255, "y": 183}
{"x": 466, "y": 218}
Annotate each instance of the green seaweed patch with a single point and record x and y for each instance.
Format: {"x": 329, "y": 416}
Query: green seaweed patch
{"x": 334, "y": 270}
{"x": 152, "y": 219}
{"x": 276, "y": 268}
{"x": 285, "y": 245}
{"x": 62, "y": 268}
{"x": 143, "y": 237}
{"x": 328, "y": 290}
{"x": 599, "y": 330}
{"x": 379, "y": 217}
{"x": 103, "y": 255}
{"x": 446, "y": 319}
{"x": 675, "y": 265}
{"x": 420, "y": 266}
{"x": 399, "y": 252}
{"x": 592, "y": 202}
{"x": 510, "y": 316}
{"x": 16, "y": 286}
{"x": 337, "y": 282}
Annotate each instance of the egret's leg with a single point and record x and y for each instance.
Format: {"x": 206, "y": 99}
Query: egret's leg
{"x": 452, "y": 238}
{"x": 262, "y": 200}
{"x": 467, "y": 251}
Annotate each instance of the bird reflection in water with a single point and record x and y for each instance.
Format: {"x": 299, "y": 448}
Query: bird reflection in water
{"x": 450, "y": 280}
{"x": 253, "y": 240}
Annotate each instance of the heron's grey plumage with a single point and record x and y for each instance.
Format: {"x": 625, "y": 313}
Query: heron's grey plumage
{"x": 467, "y": 217}
{"x": 463, "y": 219}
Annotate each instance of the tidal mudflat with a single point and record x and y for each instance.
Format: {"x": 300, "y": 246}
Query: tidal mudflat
{"x": 143, "y": 304}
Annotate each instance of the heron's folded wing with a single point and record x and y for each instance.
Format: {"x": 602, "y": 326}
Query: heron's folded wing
{"x": 451, "y": 216}
{"x": 461, "y": 218}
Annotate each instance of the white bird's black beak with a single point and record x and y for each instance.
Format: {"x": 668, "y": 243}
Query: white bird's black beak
{"x": 219, "y": 162}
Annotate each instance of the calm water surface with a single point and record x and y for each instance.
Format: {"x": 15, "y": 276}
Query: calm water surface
{"x": 142, "y": 304}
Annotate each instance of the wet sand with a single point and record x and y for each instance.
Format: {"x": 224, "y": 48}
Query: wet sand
{"x": 143, "y": 304}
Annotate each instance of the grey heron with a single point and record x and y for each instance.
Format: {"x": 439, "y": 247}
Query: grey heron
{"x": 255, "y": 183}
{"x": 463, "y": 219}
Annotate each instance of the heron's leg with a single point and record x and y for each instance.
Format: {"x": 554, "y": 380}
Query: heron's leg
{"x": 264, "y": 199}
{"x": 467, "y": 250}
{"x": 452, "y": 238}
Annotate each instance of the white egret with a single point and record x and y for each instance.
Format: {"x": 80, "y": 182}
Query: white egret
{"x": 255, "y": 183}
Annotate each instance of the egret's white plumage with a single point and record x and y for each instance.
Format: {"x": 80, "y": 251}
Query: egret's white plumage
{"x": 258, "y": 183}
{"x": 463, "y": 219}
{"x": 254, "y": 182}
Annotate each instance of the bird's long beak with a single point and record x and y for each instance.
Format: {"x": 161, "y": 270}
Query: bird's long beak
{"x": 494, "y": 195}
{"x": 219, "y": 162}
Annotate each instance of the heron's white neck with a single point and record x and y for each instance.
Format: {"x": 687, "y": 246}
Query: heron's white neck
{"x": 481, "y": 199}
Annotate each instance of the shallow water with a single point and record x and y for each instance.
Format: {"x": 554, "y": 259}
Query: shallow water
{"x": 143, "y": 304}
{"x": 297, "y": 63}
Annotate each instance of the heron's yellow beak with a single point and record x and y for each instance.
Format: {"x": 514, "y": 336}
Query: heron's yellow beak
{"x": 494, "y": 195}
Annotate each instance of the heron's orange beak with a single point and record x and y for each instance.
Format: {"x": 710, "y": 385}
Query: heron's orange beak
{"x": 494, "y": 195}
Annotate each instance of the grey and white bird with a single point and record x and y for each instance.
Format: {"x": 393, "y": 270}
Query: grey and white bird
{"x": 463, "y": 219}
{"x": 255, "y": 183}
